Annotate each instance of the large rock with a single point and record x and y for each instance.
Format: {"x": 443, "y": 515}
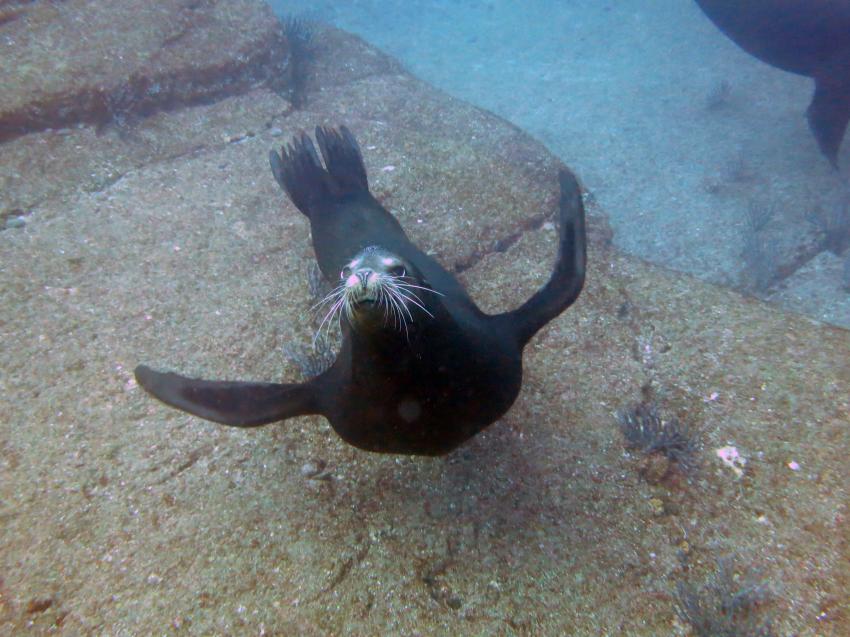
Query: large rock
{"x": 121, "y": 516}
{"x": 77, "y": 61}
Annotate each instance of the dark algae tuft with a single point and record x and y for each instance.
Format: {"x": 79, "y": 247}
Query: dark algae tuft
{"x": 646, "y": 431}
{"x": 312, "y": 361}
{"x": 845, "y": 279}
{"x": 833, "y": 225}
{"x": 300, "y": 38}
{"x": 725, "y": 605}
{"x": 759, "y": 255}
{"x": 317, "y": 357}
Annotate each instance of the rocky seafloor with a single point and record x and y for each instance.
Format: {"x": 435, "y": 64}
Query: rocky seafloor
{"x": 156, "y": 233}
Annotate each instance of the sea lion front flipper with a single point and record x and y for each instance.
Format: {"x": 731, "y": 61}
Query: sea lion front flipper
{"x": 567, "y": 278}
{"x": 234, "y": 403}
{"x": 829, "y": 112}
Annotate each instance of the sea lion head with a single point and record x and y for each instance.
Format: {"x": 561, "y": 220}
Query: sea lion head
{"x": 382, "y": 289}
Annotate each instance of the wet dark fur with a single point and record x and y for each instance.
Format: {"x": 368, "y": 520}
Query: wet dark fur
{"x": 807, "y": 37}
{"x": 424, "y": 391}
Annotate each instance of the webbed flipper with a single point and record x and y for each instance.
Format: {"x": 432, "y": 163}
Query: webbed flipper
{"x": 300, "y": 173}
{"x": 234, "y": 403}
{"x": 567, "y": 278}
{"x": 309, "y": 184}
{"x": 343, "y": 159}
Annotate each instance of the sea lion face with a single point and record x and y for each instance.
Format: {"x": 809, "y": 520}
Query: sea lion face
{"x": 382, "y": 288}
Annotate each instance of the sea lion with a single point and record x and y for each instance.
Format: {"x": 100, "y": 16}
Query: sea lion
{"x": 806, "y": 37}
{"x": 421, "y": 369}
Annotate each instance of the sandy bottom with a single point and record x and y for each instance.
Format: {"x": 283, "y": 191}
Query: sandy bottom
{"x": 629, "y": 94}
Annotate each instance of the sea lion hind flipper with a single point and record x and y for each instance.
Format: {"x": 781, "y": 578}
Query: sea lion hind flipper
{"x": 277, "y": 168}
{"x": 309, "y": 184}
{"x": 300, "y": 173}
{"x": 234, "y": 403}
{"x": 829, "y": 113}
{"x": 343, "y": 159}
{"x": 567, "y": 278}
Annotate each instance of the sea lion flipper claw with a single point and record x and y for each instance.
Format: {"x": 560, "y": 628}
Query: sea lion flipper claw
{"x": 277, "y": 168}
{"x": 234, "y": 403}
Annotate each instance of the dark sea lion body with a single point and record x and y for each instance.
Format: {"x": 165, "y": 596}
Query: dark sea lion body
{"x": 424, "y": 389}
{"x": 807, "y": 37}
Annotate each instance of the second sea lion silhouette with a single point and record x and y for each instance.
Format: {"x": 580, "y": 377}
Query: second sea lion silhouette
{"x": 807, "y": 37}
{"x": 421, "y": 368}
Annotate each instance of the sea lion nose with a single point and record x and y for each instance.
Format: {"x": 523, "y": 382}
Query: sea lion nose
{"x": 364, "y": 275}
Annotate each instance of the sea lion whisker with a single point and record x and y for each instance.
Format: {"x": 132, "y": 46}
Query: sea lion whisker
{"x": 396, "y": 307}
{"x": 400, "y": 303}
{"x": 348, "y": 306}
{"x": 401, "y": 299}
{"x": 333, "y": 309}
{"x": 400, "y": 309}
{"x": 415, "y": 300}
{"x": 402, "y": 319}
{"x": 406, "y": 291}
{"x": 397, "y": 319}
{"x": 329, "y": 297}
{"x": 382, "y": 300}
{"x": 418, "y": 287}
{"x": 329, "y": 318}
{"x": 391, "y": 308}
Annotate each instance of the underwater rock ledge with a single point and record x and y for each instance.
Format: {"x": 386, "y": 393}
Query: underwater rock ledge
{"x": 83, "y": 61}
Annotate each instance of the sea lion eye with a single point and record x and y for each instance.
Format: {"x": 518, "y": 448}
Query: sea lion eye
{"x": 345, "y": 273}
{"x": 398, "y": 271}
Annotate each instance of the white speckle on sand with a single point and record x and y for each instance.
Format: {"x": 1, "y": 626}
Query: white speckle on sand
{"x": 732, "y": 459}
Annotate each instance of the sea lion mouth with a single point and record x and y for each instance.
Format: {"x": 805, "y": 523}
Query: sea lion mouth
{"x": 360, "y": 296}
{"x": 382, "y": 302}
{"x": 378, "y": 290}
